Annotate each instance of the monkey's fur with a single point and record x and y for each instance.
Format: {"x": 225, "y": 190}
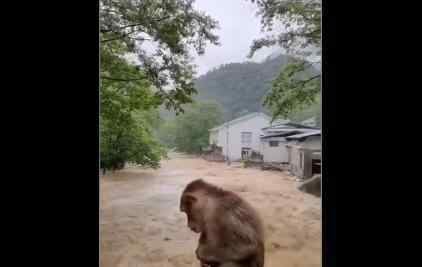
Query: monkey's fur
{"x": 231, "y": 230}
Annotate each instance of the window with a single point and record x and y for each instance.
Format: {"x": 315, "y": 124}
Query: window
{"x": 273, "y": 143}
{"x": 246, "y": 138}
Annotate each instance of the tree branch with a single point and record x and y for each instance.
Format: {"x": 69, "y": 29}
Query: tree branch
{"x": 133, "y": 25}
{"x": 121, "y": 28}
{"x": 308, "y": 80}
{"x": 163, "y": 18}
{"x": 126, "y": 35}
{"x": 139, "y": 38}
{"x": 310, "y": 34}
{"x": 121, "y": 79}
{"x": 119, "y": 37}
{"x": 308, "y": 63}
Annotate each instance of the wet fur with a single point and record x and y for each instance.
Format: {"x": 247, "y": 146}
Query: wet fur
{"x": 231, "y": 230}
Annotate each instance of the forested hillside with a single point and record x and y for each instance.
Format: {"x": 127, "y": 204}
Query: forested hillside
{"x": 239, "y": 88}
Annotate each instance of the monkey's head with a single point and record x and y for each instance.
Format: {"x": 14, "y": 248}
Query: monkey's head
{"x": 193, "y": 203}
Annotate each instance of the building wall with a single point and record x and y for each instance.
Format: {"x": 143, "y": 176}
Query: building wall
{"x": 296, "y": 160}
{"x": 312, "y": 142}
{"x": 300, "y": 155}
{"x": 233, "y": 136}
{"x": 275, "y": 154}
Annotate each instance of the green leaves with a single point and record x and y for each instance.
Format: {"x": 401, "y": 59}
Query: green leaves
{"x": 129, "y": 94}
{"x": 300, "y": 18}
{"x": 169, "y": 28}
{"x": 126, "y": 116}
{"x": 189, "y": 131}
{"x": 292, "y": 90}
{"x": 128, "y": 140}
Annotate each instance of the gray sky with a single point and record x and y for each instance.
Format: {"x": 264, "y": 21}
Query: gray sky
{"x": 238, "y": 27}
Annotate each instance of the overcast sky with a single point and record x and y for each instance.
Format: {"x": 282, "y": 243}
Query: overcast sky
{"x": 238, "y": 27}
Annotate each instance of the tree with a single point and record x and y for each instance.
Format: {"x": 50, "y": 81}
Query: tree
{"x": 312, "y": 111}
{"x": 160, "y": 33}
{"x": 126, "y": 111}
{"x": 188, "y": 132}
{"x": 294, "y": 87}
{"x": 291, "y": 92}
{"x": 129, "y": 140}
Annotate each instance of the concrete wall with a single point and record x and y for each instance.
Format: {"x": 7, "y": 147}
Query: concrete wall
{"x": 296, "y": 160}
{"x": 275, "y": 154}
{"x": 232, "y": 136}
{"x": 300, "y": 156}
{"x": 312, "y": 142}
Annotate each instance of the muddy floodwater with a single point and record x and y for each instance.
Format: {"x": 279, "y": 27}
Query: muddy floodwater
{"x": 141, "y": 226}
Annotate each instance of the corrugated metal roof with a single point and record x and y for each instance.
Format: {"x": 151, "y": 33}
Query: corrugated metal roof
{"x": 293, "y": 132}
{"x": 288, "y": 125}
{"x": 303, "y": 135}
{"x": 289, "y": 129}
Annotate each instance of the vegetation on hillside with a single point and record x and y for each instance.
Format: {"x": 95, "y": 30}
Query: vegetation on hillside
{"x": 188, "y": 132}
{"x": 241, "y": 87}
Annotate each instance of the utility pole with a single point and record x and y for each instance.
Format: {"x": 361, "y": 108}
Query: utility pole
{"x": 227, "y": 144}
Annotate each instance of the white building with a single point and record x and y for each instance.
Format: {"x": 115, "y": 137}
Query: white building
{"x": 240, "y": 135}
{"x": 304, "y": 153}
{"x": 273, "y": 141}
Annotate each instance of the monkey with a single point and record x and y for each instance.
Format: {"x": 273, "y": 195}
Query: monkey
{"x": 204, "y": 263}
{"x": 231, "y": 231}
{"x": 312, "y": 186}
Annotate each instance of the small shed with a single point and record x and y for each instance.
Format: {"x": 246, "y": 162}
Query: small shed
{"x": 304, "y": 154}
{"x": 274, "y": 146}
{"x": 273, "y": 141}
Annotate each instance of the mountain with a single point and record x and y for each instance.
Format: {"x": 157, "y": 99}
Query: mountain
{"x": 240, "y": 88}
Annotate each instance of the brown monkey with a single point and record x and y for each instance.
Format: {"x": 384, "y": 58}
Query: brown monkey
{"x": 231, "y": 230}
{"x": 205, "y": 263}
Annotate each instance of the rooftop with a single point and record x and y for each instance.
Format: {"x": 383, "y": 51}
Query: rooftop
{"x": 245, "y": 117}
{"x": 288, "y": 125}
{"x": 289, "y": 133}
{"x": 303, "y": 135}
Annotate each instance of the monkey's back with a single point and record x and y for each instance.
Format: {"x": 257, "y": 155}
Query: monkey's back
{"x": 247, "y": 225}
